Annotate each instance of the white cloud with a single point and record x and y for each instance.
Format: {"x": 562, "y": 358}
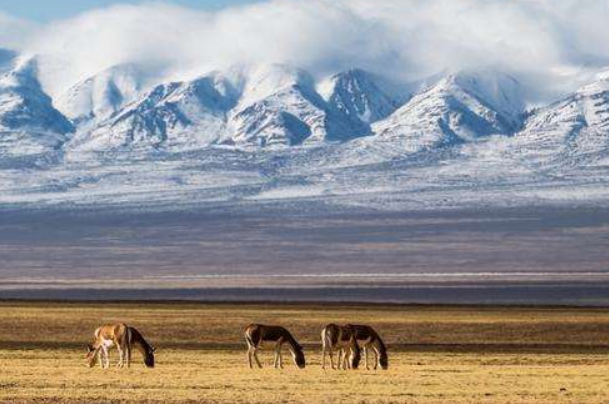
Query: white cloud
{"x": 14, "y": 32}
{"x": 551, "y": 45}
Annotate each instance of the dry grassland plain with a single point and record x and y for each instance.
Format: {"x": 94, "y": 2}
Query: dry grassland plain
{"x": 437, "y": 355}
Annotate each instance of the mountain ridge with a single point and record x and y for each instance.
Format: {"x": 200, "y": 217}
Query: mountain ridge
{"x": 276, "y": 132}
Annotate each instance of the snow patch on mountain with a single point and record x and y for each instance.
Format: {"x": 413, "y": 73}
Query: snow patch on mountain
{"x": 459, "y": 108}
{"x": 23, "y": 103}
{"x": 28, "y": 122}
{"x": 572, "y": 129}
{"x": 356, "y": 94}
{"x": 281, "y": 107}
{"x": 100, "y": 96}
{"x": 178, "y": 115}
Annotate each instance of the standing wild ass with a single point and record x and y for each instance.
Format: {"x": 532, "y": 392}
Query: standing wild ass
{"x": 369, "y": 338}
{"x": 256, "y": 335}
{"x": 341, "y": 337}
{"x": 124, "y": 338}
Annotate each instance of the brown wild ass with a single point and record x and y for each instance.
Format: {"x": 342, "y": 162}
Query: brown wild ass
{"x": 124, "y": 338}
{"x": 367, "y": 337}
{"x": 343, "y": 339}
{"x": 256, "y": 335}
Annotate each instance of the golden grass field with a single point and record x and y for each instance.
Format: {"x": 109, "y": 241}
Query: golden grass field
{"x": 437, "y": 355}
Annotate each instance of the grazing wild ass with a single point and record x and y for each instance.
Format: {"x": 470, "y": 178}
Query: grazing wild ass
{"x": 256, "y": 335}
{"x": 341, "y": 338}
{"x": 368, "y": 338}
{"x": 124, "y": 338}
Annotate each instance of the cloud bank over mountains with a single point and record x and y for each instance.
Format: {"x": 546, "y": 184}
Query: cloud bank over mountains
{"x": 395, "y": 104}
{"x": 551, "y": 46}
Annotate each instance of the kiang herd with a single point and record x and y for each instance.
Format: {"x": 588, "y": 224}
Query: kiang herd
{"x": 349, "y": 341}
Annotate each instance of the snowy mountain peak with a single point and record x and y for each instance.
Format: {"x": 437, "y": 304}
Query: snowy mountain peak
{"x": 576, "y": 126}
{"x": 599, "y": 86}
{"x": 177, "y": 115}
{"x": 100, "y": 96}
{"x": 23, "y": 103}
{"x": 280, "y": 106}
{"x": 24, "y": 74}
{"x": 460, "y": 107}
{"x": 500, "y": 91}
{"x": 265, "y": 80}
{"x": 356, "y": 94}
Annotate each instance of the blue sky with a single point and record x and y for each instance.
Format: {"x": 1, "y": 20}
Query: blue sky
{"x": 45, "y": 10}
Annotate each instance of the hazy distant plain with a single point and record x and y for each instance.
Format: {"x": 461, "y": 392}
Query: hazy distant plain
{"x": 551, "y": 255}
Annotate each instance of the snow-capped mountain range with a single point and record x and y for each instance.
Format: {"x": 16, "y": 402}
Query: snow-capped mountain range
{"x": 276, "y": 132}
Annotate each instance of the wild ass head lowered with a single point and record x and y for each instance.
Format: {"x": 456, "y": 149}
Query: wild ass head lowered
{"x": 92, "y": 355}
{"x": 124, "y": 338}
{"x": 143, "y": 347}
{"x": 257, "y": 334}
{"x": 370, "y": 339}
{"x": 298, "y": 355}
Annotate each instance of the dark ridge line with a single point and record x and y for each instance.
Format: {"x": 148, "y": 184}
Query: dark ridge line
{"x": 361, "y": 305}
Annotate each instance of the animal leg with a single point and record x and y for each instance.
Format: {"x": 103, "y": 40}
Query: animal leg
{"x": 257, "y": 359}
{"x": 339, "y": 360}
{"x": 332, "y": 358}
{"x": 249, "y": 357}
{"x": 121, "y": 357}
{"x": 323, "y": 357}
{"x": 100, "y": 357}
{"x": 106, "y": 360}
{"x": 377, "y": 356}
{"x": 279, "y": 358}
{"x": 348, "y": 358}
{"x": 128, "y": 347}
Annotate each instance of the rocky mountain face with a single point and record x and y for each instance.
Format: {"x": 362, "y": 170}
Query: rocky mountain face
{"x": 282, "y": 106}
{"x": 459, "y": 108}
{"x": 576, "y": 126}
{"x": 102, "y": 95}
{"x": 356, "y": 94}
{"x": 29, "y": 124}
{"x": 24, "y": 105}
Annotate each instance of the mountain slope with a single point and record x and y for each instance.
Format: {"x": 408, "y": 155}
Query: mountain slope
{"x": 29, "y": 124}
{"x": 179, "y": 115}
{"x": 576, "y": 127}
{"x": 24, "y": 105}
{"x": 100, "y": 96}
{"x": 186, "y": 128}
{"x": 356, "y": 94}
{"x": 461, "y": 107}
{"x": 280, "y": 106}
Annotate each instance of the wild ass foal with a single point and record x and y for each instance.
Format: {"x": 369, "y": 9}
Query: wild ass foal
{"x": 256, "y": 335}
{"x": 368, "y": 338}
{"x": 341, "y": 337}
{"x": 124, "y": 338}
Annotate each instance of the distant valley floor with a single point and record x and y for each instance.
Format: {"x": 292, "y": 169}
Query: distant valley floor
{"x": 308, "y": 253}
